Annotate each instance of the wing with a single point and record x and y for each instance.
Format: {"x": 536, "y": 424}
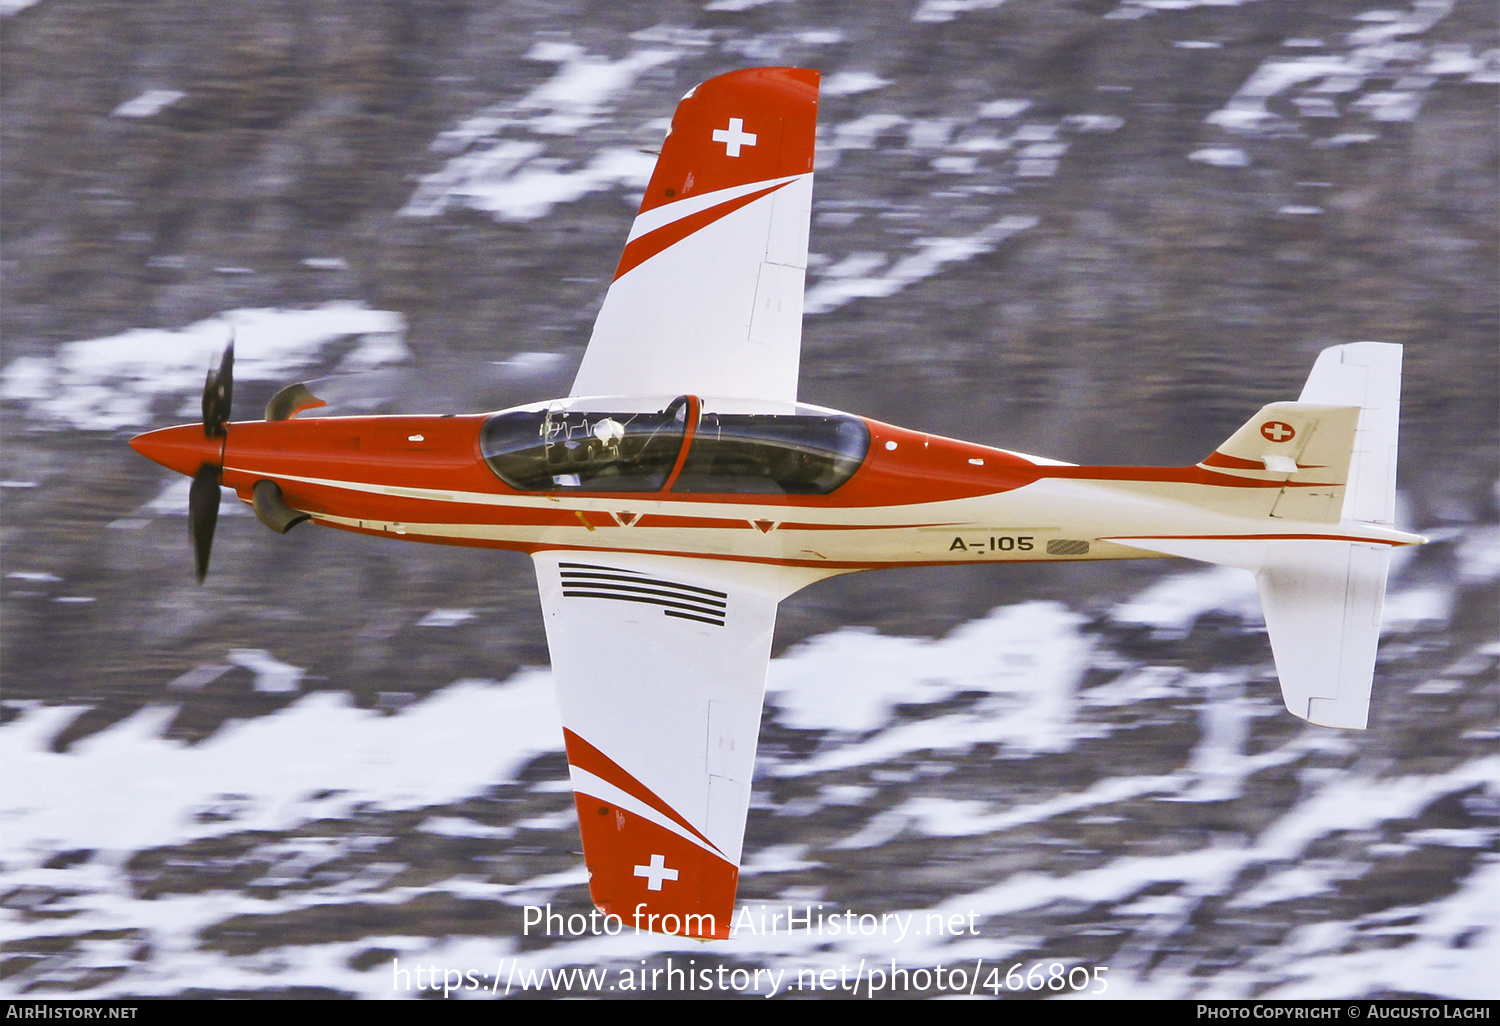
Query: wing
{"x": 660, "y": 668}
{"x": 707, "y": 298}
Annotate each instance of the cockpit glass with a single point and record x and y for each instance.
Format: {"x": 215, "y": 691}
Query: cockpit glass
{"x": 558, "y": 450}
{"x": 773, "y": 454}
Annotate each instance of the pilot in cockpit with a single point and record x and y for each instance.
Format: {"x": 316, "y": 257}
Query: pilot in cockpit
{"x": 609, "y": 431}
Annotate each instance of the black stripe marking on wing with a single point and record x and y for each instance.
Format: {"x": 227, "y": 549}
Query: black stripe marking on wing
{"x": 683, "y": 601}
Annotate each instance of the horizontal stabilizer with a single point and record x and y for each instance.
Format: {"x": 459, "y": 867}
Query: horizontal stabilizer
{"x": 1367, "y": 375}
{"x": 1322, "y": 602}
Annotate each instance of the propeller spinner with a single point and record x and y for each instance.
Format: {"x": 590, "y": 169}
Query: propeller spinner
{"x": 201, "y": 457}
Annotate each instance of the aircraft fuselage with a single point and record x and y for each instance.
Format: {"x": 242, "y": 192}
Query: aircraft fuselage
{"x": 915, "y": 499}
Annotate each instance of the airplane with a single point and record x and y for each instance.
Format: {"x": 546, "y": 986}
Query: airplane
{"x": 681, "y": 491}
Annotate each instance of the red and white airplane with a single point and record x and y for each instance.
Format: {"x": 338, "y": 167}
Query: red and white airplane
{"x": 681, "y": 491}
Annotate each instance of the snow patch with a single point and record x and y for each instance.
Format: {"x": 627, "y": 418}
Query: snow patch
{"x": 1375, "y": 53}
{"x": 739, "y": 5}
{"x": 1004, "y": 108}
{"x": 111, "y": 383}
{"x": 149, "y": 103}
{"x": 128, "y": 788}
{"x": 495, "y": 171}
{"x": 1221, "y": 156}
{"x": 1406, "y": 609}
{"x": 271, "y": 674}
{"x": 832, "y": 293}
{"x": 946, "y": 10}
{"x": 1479, "y": 554}
{"x": 446, "y": 618}
{"x": 847, "y": 83}
{"x": 1022, "y": 663}
{"x": 1173, "y": 605}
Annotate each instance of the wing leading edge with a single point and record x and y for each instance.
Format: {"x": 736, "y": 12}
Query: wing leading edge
{"x": 707, "y": 298}
{"x": 660, "y": 669}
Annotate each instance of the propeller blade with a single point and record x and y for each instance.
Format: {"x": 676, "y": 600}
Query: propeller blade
{"x": 203, "y": 514}
{"x": 218, "y": 395}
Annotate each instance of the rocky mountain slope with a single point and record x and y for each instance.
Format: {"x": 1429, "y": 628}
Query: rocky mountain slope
{"x": 1100, "y": 231}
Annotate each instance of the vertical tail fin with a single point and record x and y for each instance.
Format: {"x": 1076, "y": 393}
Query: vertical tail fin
{"x": 1305, "y": 447}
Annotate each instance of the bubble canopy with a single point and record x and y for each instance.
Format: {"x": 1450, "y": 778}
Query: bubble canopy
{"x": 618, "y": 444}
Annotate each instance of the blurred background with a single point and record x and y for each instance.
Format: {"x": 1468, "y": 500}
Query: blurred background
{"x": 1103, "y": 231}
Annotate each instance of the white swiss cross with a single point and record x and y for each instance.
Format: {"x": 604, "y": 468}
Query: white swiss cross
{"x": 1277, "y": 431}
{"x": 733, "y": 138}
{"x": 656, "y": 872}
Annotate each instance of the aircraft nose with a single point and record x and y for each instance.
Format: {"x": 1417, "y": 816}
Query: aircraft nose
{"x": 183, "y": 449}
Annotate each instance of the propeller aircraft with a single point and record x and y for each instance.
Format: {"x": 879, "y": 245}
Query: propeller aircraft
{"x": 681, "y": 491}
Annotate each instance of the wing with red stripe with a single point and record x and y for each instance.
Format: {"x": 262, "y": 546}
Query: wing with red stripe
{"x": 660, "y": 667}
{"x": 707, "y": 298}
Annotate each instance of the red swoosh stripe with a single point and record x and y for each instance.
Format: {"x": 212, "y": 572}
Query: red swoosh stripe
{"x": 586, "y": 757}
{"x": 644, "y": 247}
{"x": 1253, "y": 537}
{"x": 1198, "y": 474}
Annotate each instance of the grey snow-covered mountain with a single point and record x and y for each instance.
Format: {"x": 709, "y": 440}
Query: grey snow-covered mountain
{"x": 1103, "y": 231}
